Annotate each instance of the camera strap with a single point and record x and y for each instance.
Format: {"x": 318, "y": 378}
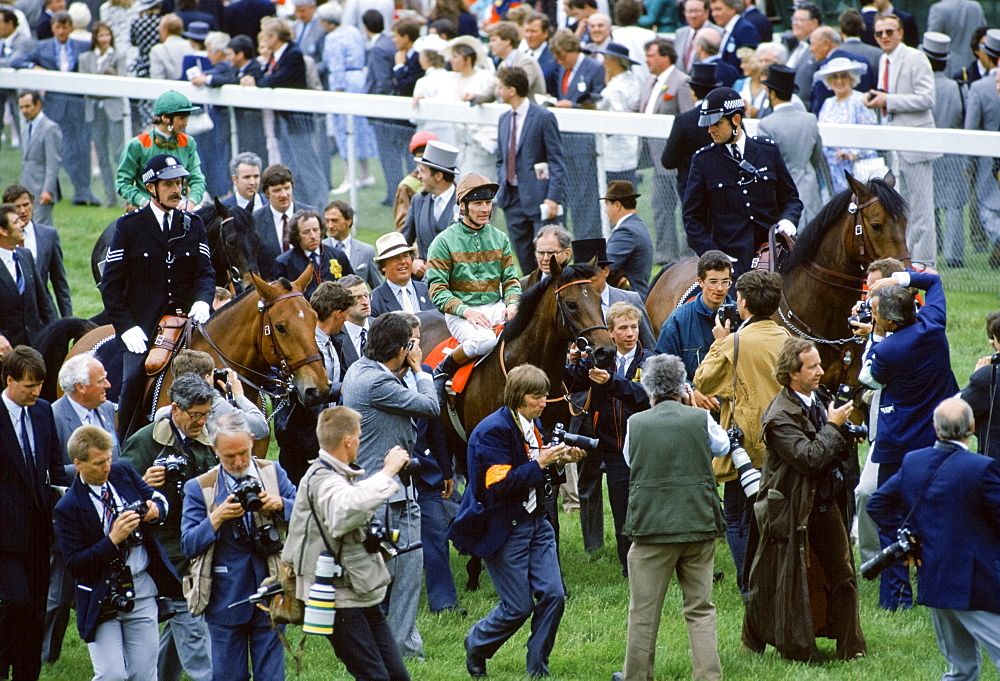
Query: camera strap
{"x": 180, "y": 442}
{"x": 924, "y": 493}
{"x": 736, "y": 357}
{"x": 319, "y": 525}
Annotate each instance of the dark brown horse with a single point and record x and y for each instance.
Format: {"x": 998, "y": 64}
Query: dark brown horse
{"x": 825, "y": 274}
{"x": 266, "y": 335}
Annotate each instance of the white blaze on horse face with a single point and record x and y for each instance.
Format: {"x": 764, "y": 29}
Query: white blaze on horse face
{"x": 301, "y": 315}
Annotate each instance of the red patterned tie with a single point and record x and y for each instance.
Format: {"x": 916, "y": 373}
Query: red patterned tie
{"x": 512, "y": 149}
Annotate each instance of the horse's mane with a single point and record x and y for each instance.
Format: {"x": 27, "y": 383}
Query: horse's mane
{"x": 809, "y": 239}
{"x": 207, "y": 213}
{"x": 223, "y": 311}
{"x": 531, "y": 298}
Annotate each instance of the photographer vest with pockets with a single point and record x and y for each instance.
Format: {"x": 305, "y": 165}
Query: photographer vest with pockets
{"x": 198, "y": 581}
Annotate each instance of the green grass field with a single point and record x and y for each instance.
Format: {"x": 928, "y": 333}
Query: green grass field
{"x": 591, "y": 639}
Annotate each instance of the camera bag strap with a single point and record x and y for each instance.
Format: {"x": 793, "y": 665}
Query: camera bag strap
{"x": 924, "y": 493}
{"x": 197, "y": 582}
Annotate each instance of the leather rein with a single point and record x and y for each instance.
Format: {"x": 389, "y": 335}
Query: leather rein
{"x": 565, "y": 320}
{"x": 286, "y": 367}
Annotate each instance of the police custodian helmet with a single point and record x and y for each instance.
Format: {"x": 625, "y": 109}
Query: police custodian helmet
{"x": 162, "y": 167}
{"x": 719, "y": 103}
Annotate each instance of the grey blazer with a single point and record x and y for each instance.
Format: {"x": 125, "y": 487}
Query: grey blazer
{"x": 165, "y": 59}
{"x": 869, "y": 53}
{"x": 673, "y": 98}
{"x": 957, "y": 19}
{"x": 116, "y": 65}
{"x": 536, "y": 79}
{"x": 982, "y": 112}
{"x": 387, "y": 410}
{"x": 804, "y": 73}
{"x": 50, "y": 268}
{"x": 910, "y": 101}
{"x": 67, "y": 421}
{"x": 420, "y": 227}
{"x": 362, "y": 260}
{"x": 41, "y": 157}
{"x": 17, "y": 46}
{"x": 796, "y": 133}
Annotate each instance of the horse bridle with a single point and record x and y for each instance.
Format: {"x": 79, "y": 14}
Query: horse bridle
{"x": 232, "y": 271}
{"x": 286, "y": 367}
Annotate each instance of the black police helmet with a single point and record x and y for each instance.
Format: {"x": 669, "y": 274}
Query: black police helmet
{"x": 163, "y": 167}
{"x": 720, "y": 102}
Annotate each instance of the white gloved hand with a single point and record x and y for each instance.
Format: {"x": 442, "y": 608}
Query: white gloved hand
{"x": 786, "y": 227}
{"x": 199, "y": 312}
{"x": 135, "y": 340}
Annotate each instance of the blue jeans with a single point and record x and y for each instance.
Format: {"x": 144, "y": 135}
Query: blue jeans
{"x": 440, "y": 583}
{"x": 894, "y": 590}
{"x": 734, "y": 505}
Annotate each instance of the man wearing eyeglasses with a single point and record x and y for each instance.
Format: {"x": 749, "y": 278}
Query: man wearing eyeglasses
{"x": 179, "y": 433}
{"x": 905, "y": 97}
{"x": 552, "y": 241}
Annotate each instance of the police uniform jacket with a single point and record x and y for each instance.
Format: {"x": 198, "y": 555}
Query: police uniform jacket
{"x": 149, "y": 273}
{"x": 727, "y": 209}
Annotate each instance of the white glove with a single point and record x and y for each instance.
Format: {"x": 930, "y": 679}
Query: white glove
{"x": 786, "y": 227}
{"x": 135, "y": 340}
{"x": 199, "y": 312}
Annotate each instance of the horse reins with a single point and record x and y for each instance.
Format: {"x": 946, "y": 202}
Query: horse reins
{"x": 231, "y": 268}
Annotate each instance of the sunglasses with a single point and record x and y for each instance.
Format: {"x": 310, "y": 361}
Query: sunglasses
{"x": 887, "y": 33}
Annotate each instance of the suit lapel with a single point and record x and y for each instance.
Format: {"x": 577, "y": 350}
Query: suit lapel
{"x": 9, "y": 282}
{"x": 529, "y": 120}
{"x": 11, "y": 445}
{"x": 92, "y": 518}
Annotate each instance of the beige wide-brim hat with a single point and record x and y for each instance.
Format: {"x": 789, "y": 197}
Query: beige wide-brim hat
{"x": 390, "y": 245}
{"x": 483, "y": 60}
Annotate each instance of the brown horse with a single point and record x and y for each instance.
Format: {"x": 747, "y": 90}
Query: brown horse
{"x": 825, "y": 274}
{"x": 266, "y": 335}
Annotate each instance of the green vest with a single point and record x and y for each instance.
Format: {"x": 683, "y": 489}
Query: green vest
{"x": 672, "y": 493}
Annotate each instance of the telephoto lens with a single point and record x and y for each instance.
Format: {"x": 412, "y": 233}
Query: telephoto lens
{"x": 321, "y": 606}
{"x": 749, "y": 476}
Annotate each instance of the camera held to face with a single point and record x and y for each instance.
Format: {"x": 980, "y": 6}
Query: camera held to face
{"x": 907, "y": 545}
{"x": 728, "y": 312}
{"x": 864, "y": 315}
{"x": 247, "y": 493}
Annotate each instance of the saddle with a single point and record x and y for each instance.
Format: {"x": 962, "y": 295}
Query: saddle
{"x": 172, "y": 333}
{"x": 773, "y": 253}
{"x": 443, "y": 349}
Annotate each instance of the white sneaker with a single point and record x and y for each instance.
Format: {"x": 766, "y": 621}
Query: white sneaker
{"x": 345, "y": 186}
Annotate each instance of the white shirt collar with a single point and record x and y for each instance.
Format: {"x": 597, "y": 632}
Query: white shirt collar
{"x": 741, "y": 144}
{"x": 279, "y": 52}
{"x": 81, "y": 411}
{"x": 780, "y": 106}
{"x": 606, "y": 296}
{"x": 277, "y": 214}
{"x": 621, "y": 220}
{"x": 806, "y": 399}
{"x": 158, "y": 213}
{"x": 522, "y": 110}
{"x": 629, "y": 356}
{"x": 354, "y": 331}
{"x": 396, "y": 288}
{"x": 446, "y": 194}
{"x": 14, "y": 410}
{"x": 662, "y": 78}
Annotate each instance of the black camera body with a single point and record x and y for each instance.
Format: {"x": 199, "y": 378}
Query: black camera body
{"x": 267, "y": 540}
{"x": 407, "y": 472}
{"x": 864, "y": 315}
{"x": 606, "y": 363}
{"x": 560, "y": 435}
{"x": 220, "y": 375}
{"x": 174, "y": 470}
{"x": 247, "y": 492}
{"x": 121, "y": 595}
{"x": 135, "y": 536}
{"x": 379, "y": 537}
{"x": 907, "y": 545}
{"x": 728, "y": 312}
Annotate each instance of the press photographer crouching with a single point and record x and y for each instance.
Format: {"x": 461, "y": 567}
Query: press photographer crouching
{"x": 802, "y": 567}
{"x": 102, "y": 526}
{"x": 332, "y": 518}
{"x": 951, "y": 498}
{"x": 234, "y": 518}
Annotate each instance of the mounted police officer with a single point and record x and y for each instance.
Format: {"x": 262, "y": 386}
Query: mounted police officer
{"x": 158, "y": 263}
{"x": 738, "y": 186}
{"x": 167, "y": 136}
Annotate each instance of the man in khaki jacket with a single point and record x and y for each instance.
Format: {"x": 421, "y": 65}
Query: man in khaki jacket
{"x": 751, "y": 352}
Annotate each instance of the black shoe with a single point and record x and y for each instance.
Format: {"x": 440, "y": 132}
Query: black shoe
{"x": 474, "y": 663}
{"x": 444, "y": 372}
{"x": 86, "y": 203}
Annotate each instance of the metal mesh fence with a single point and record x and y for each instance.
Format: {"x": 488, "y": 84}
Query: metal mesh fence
{"x": 964, "y": 192}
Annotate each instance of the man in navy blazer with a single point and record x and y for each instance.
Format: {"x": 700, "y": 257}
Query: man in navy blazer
{"x": 43, "y": 242}
{"x": 737, "y": 31}
{"x": 249, "y": 122}
{"x": 536, "y": 31}
{"x": 214, "y": 519}
{"x": 763, "y": 25}
{"x": 60, "y": 53}
{"x": 98, "y": 538}
{"x": 25, "y": 306}
{"x": 395, "y": 259}
{"x": 534, "y": 175}
{"x": 278, "y": 185}
{"x": 954, "y": 498}
{"x": 630, "y": 247}
{"x": 907, "y": 358}
{"x": 31, "y": 461}
{"x": 580, "y": 82}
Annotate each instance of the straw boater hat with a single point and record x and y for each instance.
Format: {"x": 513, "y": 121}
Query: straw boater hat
{"x": 390, "y": 245}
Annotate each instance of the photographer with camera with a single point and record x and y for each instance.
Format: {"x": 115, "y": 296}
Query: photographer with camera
{"x": 739, "y": 369}
{"x": 674, "y": 518}
{"x": 983, "y": 392}
{"x": 615, "y": 394}
{"x": 167, "y": 453}
{"x": 232, "y": 528}
{"x": 952, "y": 501}
{"x": 802, "y": 512}
{"x": 334, "y": 510}
{"x": 502, "y": 521}
{"x": 912, "y": 367}
{"x": 102, "y": 526}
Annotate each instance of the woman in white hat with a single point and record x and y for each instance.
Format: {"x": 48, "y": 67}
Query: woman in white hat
{"x": 847, "y": 105}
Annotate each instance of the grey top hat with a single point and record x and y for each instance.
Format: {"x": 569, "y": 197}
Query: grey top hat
{"x": 936, "y": 45}
{"x": 440, "y": 156}
{"x": 992, "y": 44}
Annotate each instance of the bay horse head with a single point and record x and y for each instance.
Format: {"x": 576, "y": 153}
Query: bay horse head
{"x": 876, "y": 225}
{"x": 287, "y": 336}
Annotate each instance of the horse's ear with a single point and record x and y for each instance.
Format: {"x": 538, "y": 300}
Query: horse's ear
{"x": 220, "y": 208}
{"x": 890, "y": 179}
{"x": 302, "y": 282}
{"x": 857, "y": 186}
{"x": 593, "y": 262}
{"x": 555, "y": 269}
{"x": 265, "y": 290}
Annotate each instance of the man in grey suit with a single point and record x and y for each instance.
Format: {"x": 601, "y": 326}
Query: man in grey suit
{"x": 387, "y": 409}
{"x": 696, "y": 14}
{"x": 666, "y": 93}
{"x": 84, "y": 382}
{"x": 957, "y": 19}
{"x": 796, "y": 133}
{"x": 982, "y": 112}
{"x": 433, "y": 209}
{"x": 529, "y": 164}
{"x": 41, "y": 155}
{"x": 905, "y": 97}
{"x": 339, "y": 220}
{"x": 951, "y": 189}
{"x": 167, "y": 57}
{"x": 504, "y": 38}
{"x": 43, "y": 242}
{"x": 308, "y": 33}
{"x": 14, "y": 44}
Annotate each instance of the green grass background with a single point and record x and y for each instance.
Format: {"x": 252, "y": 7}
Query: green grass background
{"x": 591, "y": 639}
